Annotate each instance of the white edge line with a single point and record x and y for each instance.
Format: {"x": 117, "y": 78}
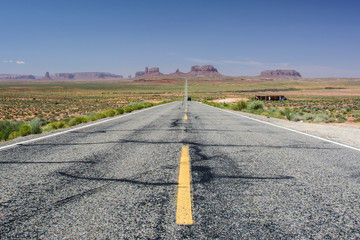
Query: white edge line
{"x": 289, "y": 129}
{"x": 78, "y": 128}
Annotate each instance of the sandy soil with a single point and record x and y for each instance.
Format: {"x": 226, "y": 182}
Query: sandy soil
{"x": 229, "y": 100}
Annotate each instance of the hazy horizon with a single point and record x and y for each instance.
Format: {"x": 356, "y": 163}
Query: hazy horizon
{"x": 317, "y": 39}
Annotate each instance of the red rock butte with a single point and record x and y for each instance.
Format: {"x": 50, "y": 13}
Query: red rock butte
{"x": 207, "y": 70}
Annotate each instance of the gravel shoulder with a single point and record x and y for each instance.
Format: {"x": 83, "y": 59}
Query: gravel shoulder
{"x": 341, "y": 133}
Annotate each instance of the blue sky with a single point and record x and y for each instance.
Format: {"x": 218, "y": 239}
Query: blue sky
{"x": 318, "y": 38}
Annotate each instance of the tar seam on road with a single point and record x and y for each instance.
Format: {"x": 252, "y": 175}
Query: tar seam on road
{"x": 289, "y": 129}
{"x": 183, "y": 203}
{"x": 77, "y": 128}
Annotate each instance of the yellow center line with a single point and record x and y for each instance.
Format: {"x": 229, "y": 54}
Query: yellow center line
{"x": 185, "y": 117}
{"x": 183, "y": 211}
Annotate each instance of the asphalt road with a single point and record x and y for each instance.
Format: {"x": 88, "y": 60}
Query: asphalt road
{"x": 119, "y": 180}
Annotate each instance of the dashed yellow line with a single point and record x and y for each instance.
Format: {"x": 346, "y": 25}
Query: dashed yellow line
{"x": 183, "y": 211}
{"x": 185, "y": 117}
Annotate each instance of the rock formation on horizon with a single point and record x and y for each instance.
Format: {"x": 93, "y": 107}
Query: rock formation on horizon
{"x": 155, "y": 71}
{"x": 139, "y": 74}
{"x": 177, "y": 73}
{"x": 16, "y": 77}
{"x": 207, "y": 70}
{"x": 280, "y": 73}
{"x": 86, "y": 75}
{"x": 64, "y": 76}
{"x": 47, "y": 76}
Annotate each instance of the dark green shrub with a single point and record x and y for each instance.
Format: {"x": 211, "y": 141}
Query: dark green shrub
{"x": 288, "y": 114}
{"x": 256, "y": 105}
{"x": 60, "y": 124}
{"x": 66, "y": 120}
{"x": 13, "y": 135}
{"x": 128, "y": 109}
{"x": 71, "y": 122}
{"x": 241, "y": 105}
{"x": 81, "y": 119}
{"x": 97, "y": 116}
{"x": 224, "y": 105}
{"x": 53, "y": 124}
{"x": 277, "y": 114}
{"x": 138, "y": 107}
{"x": 111, "y": 113}
{"x": 120, "y": 111}
{"x": 148, "y": 104}
{"x": 35, "y": 125}
{"x": 7, "y": 127}
{"x": 341, "y": 119}
{"x": 48, "y": 128}
{"x": 234, "y": 107}
{"x": 24, "y": 130}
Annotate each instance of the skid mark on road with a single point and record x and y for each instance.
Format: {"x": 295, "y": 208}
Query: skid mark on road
{"x": 123, "y": 180}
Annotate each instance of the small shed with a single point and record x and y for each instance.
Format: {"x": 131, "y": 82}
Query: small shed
{"x": 270, "y": 98}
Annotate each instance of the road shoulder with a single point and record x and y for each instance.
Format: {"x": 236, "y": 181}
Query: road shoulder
{"x": 348, "y": 135}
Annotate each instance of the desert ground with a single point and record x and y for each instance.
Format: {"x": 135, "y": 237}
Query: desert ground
{"x": 57, "y": 100}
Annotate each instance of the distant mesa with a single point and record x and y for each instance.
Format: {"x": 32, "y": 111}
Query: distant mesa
{"x": 16, "y": 77}
{"x": 86, "y": 75}
{"x": 152, "y": 72}
{"x": 26, "y": 77}
{"x": 280, "y": 73}
{"x": 148, "y": 74}
{"x": 64, "y": 76}
{"x": 207, "y": 70}
{"x": 139, "y": 74}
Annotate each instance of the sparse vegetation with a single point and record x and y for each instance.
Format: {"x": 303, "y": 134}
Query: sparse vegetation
{"x": 319, "y": 111}
{"x": 256, "y": 106}
{"x": 55, "y": 101}
{"x": 239, "y": 106}
{"x": 50, "y": 106}
{"x": 11, "y": 130}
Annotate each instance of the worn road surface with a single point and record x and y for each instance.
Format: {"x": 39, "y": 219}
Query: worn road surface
{"x": 119, "y": 180}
